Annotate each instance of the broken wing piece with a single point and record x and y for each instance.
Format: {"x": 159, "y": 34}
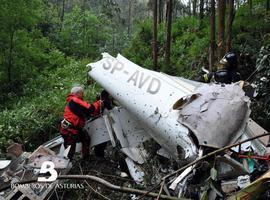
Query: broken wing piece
{"x": 218, "y": 115}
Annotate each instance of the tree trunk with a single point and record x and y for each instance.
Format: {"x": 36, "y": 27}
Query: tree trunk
{"x": 10, "y": 55}
{"x": 250, "y": 5}
{"x": 169, "y": 28}
{"x": 221, "y": 27}
{"x": 189, "y": 8}
{"x": 267, "y": 5}
{"x": 201, "y": 11}
{"x": 63, "y": 11}
{"x": 237, "y": 4}
{"x": 58, "y": 8}
{"x": 84, "y": 29}
{"x": 194, "y": 7}
{"x": 129, "y": 17}
{"x": 62, "y": 14}
{"x": 154, "y": 48}
{"x": 212, "y": 35}
{"x": 160, "y": 11}
{"x": 229, "y": 26}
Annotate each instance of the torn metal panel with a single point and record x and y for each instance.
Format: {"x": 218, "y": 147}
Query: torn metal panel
{"x": 97, "y": 131}
{"x": 40, "y": 151}
{"x": 129, "y": 133}
{"x": 54, "y": 143}
{"x": 108, "y": 123}
{"x": 149, "y": 96}
{"x": 254, "y": 145}
{"x": 138, "y": 155}
{"x": 252, "y": 129}
{"x": 128, "y": 129}
{"x": 229, "y": 168}
{"x": 255, "y": 129}
{"x": 60, "y": 163}
{"x": 135, "y": 171}
{"x": 218, "y": 115}
{"x": 27, "y": 167}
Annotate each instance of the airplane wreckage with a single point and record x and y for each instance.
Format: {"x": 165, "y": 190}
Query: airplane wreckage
{"x": 176, "y": 121}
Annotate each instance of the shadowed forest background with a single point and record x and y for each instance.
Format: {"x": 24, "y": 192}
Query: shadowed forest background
{"x": 46, "y": 44}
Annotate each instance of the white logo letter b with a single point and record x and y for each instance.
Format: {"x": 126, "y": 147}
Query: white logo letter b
{"x": 47, "y": 166}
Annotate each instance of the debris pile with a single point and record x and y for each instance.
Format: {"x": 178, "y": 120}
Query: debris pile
{"x": 171, "y": 137}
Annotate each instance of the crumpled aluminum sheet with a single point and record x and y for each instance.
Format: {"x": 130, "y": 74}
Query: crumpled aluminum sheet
{"x": 218, "y": 114}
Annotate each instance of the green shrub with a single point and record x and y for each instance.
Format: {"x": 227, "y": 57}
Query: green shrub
{"x": 33, "y": 119}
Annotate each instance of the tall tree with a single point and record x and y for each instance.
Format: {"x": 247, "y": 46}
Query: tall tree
{"x": 194, "y": 7}
{"x": 129, "y": 16}
{"x": 160, "y": 10}
{"x": 10, "y": 53}
{"x": 267, "y": 5}
{"x": 189, "y": 7}
{"x": 229, "y": 25}
{"x": 154, "y": 48}
{"x": 63, "y": 11}
{"x": 18, "y": 19}
{"x": 221, "y": 27}
{"x": 212, "y": 35}
{"x": 169, "y": 28}
{"x": 201, "y": 11}
{"x": 250, "y": 5}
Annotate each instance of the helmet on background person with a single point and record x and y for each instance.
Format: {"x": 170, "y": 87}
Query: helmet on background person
{"x": 229, "y": 61}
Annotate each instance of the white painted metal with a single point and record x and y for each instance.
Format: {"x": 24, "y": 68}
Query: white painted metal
{"x": 149, "y": 96}
{"x": 97, "y": 131}
{"x": 135, "y": 171}
{"x": 4, "y": 163}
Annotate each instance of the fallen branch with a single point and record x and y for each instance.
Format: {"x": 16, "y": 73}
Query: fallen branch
{"x": 95, "y": 190}
{"x": 145, "y": 194}
{"x": 208, "y": 155}
{"x": 85, "y": 181}
{"x": 116, "y": 187}
{"x": 213, "y": 153}
{"x": 103, "y": 182}
{"x": 161, "y": 188}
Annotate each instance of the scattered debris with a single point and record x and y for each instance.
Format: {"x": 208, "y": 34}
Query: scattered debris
{"x": 170, "y": 137}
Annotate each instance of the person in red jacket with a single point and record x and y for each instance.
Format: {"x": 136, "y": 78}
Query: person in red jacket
{"x": 76, "y": 111}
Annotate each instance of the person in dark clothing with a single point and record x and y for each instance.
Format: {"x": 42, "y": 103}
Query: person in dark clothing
{"x": 76, "y": 111}
{"x": 226, "y": 73}
{"x": 107, "y": 100}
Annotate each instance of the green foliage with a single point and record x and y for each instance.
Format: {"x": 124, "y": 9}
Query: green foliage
{"x": 249, "y": 32}
{"x": 189, "y": 47}
{"x": 141, "y": 42}
{"x": 33, "y": 119}
{"x": 82, "y": 34}
{"x": 36, "y": 47}
{"x": 260, "y": 105}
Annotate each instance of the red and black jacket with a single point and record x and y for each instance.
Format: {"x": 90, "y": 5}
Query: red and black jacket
{"x": 76, "y": 111}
